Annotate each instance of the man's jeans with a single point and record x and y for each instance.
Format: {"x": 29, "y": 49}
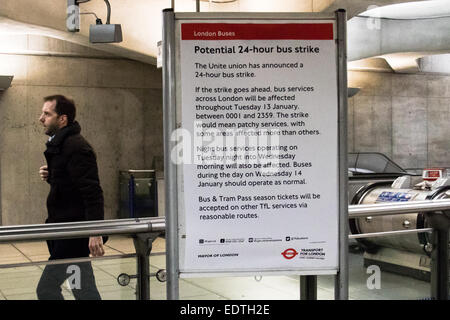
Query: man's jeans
{"x": 81, "y": 281}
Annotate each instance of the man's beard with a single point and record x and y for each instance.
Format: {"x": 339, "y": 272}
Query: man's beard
{"x": 51, "y": 129}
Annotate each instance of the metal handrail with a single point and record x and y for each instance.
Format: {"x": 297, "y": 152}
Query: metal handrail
{"x": 388, "y": 233}
{"x": 380, "y": 209}
{"x": 113, "y": 222}
{"x": 158, "y": 224}
{"x": 81, "y": 229}
{"x": 394, "y": 208}
{"x": 144, "y": 230}
{"x": 155, "y": 224}
{"x": 439, "y": 237}
{"x": 67, "y": 261}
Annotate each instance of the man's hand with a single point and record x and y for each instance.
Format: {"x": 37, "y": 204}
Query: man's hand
{"x": 96, "y": 246}
{"x": 43, "y": 172}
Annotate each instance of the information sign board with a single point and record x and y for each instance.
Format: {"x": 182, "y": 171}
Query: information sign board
{"x": 260, "y": 159}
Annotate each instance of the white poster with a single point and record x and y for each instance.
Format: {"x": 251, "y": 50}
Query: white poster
{"x": 260, "y": 136}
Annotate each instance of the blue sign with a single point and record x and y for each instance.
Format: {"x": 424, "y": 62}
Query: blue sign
{"x": 389, "y": 196}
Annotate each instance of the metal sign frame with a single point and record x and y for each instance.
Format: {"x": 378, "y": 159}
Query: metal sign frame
{"x": 171, "y": 123}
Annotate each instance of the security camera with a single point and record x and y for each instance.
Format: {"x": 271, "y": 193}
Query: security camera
{"x": 105, "y": 33}
{"x": 99, "y": 32}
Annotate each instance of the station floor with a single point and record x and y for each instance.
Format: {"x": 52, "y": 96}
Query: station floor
{"x": 18, "y": 282}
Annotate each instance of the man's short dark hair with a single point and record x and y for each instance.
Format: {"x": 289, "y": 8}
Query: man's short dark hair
{"x": 63, "y": 105}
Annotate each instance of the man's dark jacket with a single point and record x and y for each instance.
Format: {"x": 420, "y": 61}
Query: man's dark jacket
{"x": 75, "y": 192}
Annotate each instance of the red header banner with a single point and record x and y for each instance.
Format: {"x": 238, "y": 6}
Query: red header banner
{"x": 257, "y": 31}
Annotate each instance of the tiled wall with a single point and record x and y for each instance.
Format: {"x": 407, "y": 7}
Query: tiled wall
{"x": 403, "y": 116}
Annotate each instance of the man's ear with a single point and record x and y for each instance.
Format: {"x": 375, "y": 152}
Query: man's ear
{"x": 63, "y": 119}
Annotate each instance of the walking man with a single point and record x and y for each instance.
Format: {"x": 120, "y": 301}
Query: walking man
{"x": 75, "y": 195}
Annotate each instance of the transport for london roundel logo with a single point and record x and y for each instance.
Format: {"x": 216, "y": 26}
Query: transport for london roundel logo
{"x": 289, "y": 253}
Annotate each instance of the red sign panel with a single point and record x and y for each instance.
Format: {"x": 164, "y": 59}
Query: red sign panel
{"x": 257, "y": 31}
{"x": 432, "y": 174}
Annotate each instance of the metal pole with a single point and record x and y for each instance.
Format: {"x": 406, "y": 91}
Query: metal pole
{"x": 439, "y": 265}
{"x": 388, "y": 233}
{"x": 66, "y": 261}
{"x": 131, "y": 195}
{"x": 308, "y": 287}
{"x": 143, "y": 278}
{"x": 197, "y": 5}
{"x": 108, "y": 9}
{"x": 68, "y": 226}
{"x": 170, "y": 170}
{"x": 81, "y": 224}
{"x": 366, "y": 210}
{"x": 56, "y": 231}
{"x": 341, "y": 279}
{"x": 143, "y": 245}
{"x": 91, "y": 232}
